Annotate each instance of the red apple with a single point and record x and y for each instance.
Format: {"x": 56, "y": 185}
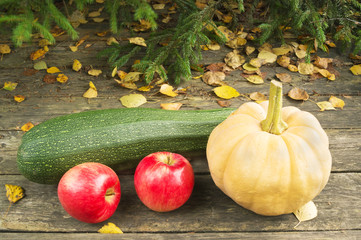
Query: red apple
{"x": 164, "y": 181}
{"x": 90, "y": 192}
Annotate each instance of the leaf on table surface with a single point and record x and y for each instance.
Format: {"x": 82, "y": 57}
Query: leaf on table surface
{"x": 145, "y": 88}
{"x": 44, "y": 42}
{"x": 249, "y": 50}
{"x": 98, "y": 20}
{"x": 257, "y": 62}
{"x": 356, "y": 69}
{"x": 214, "y": 78}
{"x": 322, "y": 62}
{"x": 14, "y": 193}
{"x": 142, "y": 26}
{"x": 292, "y": 68}
{"x": 325, "y": 105}
{"x": 73, "y": 48}
{"x": 325, "y": 73}
{"x": 133, "y": 100}
{"x": 129, "y": 85}
{"x": 94, "y": 14}
{"x": 284, "y": 61}
{"x": 48, "y": 78}
{"x": 111, "y": 40}
{"x": 5, "y": 49}
{"x": 305, "y": 68}
{"x": 138, "y": 41}
{"x": 27, "y": 126}
{"x": 298, "y": 94}
{"x": 250, "y": 68}
{"x": 53, "y": 70}
{"x": 214, "y": 46}
{"x": 94, "y": 72}
{"x": 219, "y": 66}
{"x": 110, "y": 228}
{"x": 62, "y": 78}
{"x": 226, "y": 32}
{"x": 300, "y": 53}
{"x": 265, "y": 47}
{"x": 257, "y": 96}
{"x": 76, "y": 65}
{"x": 336, "y": 102}
{"x": 10, "y": 86}
{"x": 234, "y": 59}
{"x": 226, "y": 92}
{"x": 167, "y": 89}
{"x": 284, "y": 77}
{"x": 29, "y": 72}
{"x": 129, "y": 77}
{"x": 255, "y": 79}
{"x": 306, "y": 212}
{"x": 38, "y": 54}
{"x": 91, "y": 92}
{"x": 77, "y": 18}
{"x": 171, "y": 106}
{"x": 282, "y": 50}
{"x": 41, "y": 65}
{"x": 268, "y": 57}
{"x": 19, "y": 98}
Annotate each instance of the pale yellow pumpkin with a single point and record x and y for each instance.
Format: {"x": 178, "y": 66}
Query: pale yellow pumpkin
{"x": 270, "y": 173}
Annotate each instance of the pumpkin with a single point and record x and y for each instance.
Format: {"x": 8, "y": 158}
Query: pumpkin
{"x": 268, "y": 159}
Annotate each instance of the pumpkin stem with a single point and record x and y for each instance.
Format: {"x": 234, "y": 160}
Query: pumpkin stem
{"x": 273, "y": 122}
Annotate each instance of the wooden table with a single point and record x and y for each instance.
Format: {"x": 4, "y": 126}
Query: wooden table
{"x": 208, "y": 214}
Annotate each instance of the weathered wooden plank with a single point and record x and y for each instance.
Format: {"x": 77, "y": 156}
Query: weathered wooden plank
{"x": 324, "y": 235}
{"x": 208, "y": 210}
{"x": 345, "y": 147}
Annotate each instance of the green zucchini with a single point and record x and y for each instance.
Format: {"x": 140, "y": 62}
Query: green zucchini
{"x": 118, "y": 138}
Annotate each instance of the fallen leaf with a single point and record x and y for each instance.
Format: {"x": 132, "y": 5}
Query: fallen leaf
{"x": 44, "y": 42}
{"x": 130, "y": 77}
{"x": 171, "y": 106}
{"x": 98, "y": 20}
{"x": 330, "y": 43}
{"x": 292, "y": 68}
{"x": 284, "y": 61}
{"x": 284, "y": 77}
{"x": 138, "y": 41}
{"x": 282, "y": 50}
{"x": 167, "y": 89}
{"x": 214, "y": 46}
{"x": 249, "y": 67}
{"x": 73, "y": 48}
{"x": 223, "y": 103}
{"x": 325, "y": 73}
{"x": 5, "y": 49}
{"x": 62, "y": 78}
{"x": 257, "y": 96}
{"x": 76, "y": 65}
{"x": 214, "y": 78}
{"x": 298, "y": 94}
{"x": 300, "y": 53}
{"x": 38, "y": 54}
{"x": 76, "y": 18}
{"x": 91, "y": 92}
{"x": 325, "y": 105}
{"x": 234, "y": 59}
{"x": 19, "y": 98}
{"x": 121, "y": 74}
{"x": 356, "y": 69}
{"x": 129, "y": 85}
{"x": 14, "y": 193}
{"x": 336, "y": 102}
{"x": 40, "y": 65}
{"x": 268, "y": 57}
{"x": 257, "y": 62}
{"x": 94, "y": 14}
{"x": 241, "y": 41}
{"x": 49, "y": 78}
{"x": 306, "y": 212}
{"x": 265, "y": 47}
{"x": 305, "y": 68}
{"x": 255, "y": 79}
{"x": 249, "y": 50}
{"x": 94, "y": 72}
{"x": 226, "y": 32}
{"x": 29, "y": 72}
{"x": 27, "y": 126}
{"x": 10, "y": 86}
{"x": 142, "y": 26}
{"x": 112, "y": 40}
{"x": 110, "y": 228}
{"x": 145, "y": 88}
{"x": 53, "y": 70}
{"x": 158, "y": 6}
{"x": 322, "y": 62}
{"x": 226, "y": 92}
{"x": 133, "y": 100}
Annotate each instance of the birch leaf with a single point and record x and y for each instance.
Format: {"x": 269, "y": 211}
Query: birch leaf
{"x": 325, "y": 105}
{"x": 133, "y": 100}
{"x": 284, "y": 61}
{"x": 305, "y": 68}
{"x": 284, "y": 77}
{"x": 336, "y": 102}
{"x": 306, "y": 212}
{"x": 268, "y": 57}
{"x": 138, "y": 41}
{"x": 298, "y": 94}
{"x": 94, "y": 72}
{"x": 356, "y": 69}
{"x": 171, "y": 106}
{"x": 257, "y": 96}
{"x": 255, "y": 79}
{"x": 40, "y": 65}
{"x": 129, "y": 77}
{"x": 249, "y": 50}
{"x": 53, "y": 70}
{"x": 38, "y": 54}
{"x": 167, "y": 89}
{"x": 27, "y": 126}
{"x": 4, "y": 49}
{"x": 19, "y": 98}
{"x": 234, "y": 59}
{"x": 62, "y": 78}
{"x": 214, "y": 78}
{"x": 226, "y": 92}
{"x": 10, "y": 86}
{"x": 76, "y": 65}
{"x": 249, "y": 67}
{"x": 110, "y": 228}
{"x": 14, "y": 193}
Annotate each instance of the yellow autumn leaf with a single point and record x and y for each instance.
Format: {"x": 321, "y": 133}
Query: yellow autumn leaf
{"x": 110, "y": 228}
{"x": 257, "y": 62}
{"x": 171, "y": 106}
{"x": 94, "y": 72}
{"x": 336, "y": 102}
{"x": 257, "y": 96}
{"x": 167, "y": 89}
{"x": 37, "y": 54}
{"x": 129, "y": 85}
{"x": 112, "y": 40}
{"x": 306, "y": 212}
{"x": 268, "y": 57}
{"x": 10, "y": 86}
{"x": 356, "y": 69}
{"x": 133, "y": 100}
{"x": 255, "y": 79}
{"x": 4, "y": 49}
{"x": 62, "y": 78}
{"x": 249, "y": 50}
{"x": 138, "y": 41}
{"x": 27, "y": 126}
{"x": 292, "y": 68}
{"x": 145, "y": 88}
{"x": 91, "y": 92}
{"x": 114, "y": 72}
{"x": 129, "y": 77}
{"x": 282, "y": 50}
{"x": 19, "y": 98}
{"x": 226, "y": 92}
{"x": 44, "y": 42}
{"x": 53, "y": 70}
{"x": 98, "y": 20}
{"x": 76, "y": 65}
{"x": 91, "y": 85}
{"x": 298, "y": 94}
{"x": 234, "y": 59}
{"x": 249, "y": 67}
{"x": 73, "y": 48}
{"x": 325, "y": 105}
{"x": 305, "y": 68}
{"x": 14, "y": 193}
